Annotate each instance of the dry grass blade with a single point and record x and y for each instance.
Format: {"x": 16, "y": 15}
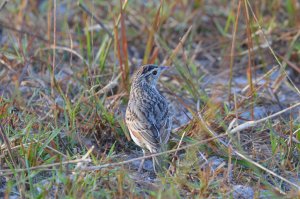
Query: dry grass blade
{"x": 153, "y": 29}
{"x": 117, "y": 49}
{"x": 124, "y": 46}
{"x": 6, "y": 141}
{"x": 291, "y": 64}
{"x": 232, "y": 51}
{"x": 5, "y": 62}
{"x": 261, "y": 78}
{"x": 79, "y": 164}
{"x": 289, "y": 50}
{"x": 65, "y": 49}
{"x": 179, "y": 46}
{"x": 267, "y": 170}
{"x": 115, "y": 37}
{"x": 85, "y": 9}
{"x": 250, "y": 58}
{"x": 54, "y": 49}
{"x": 247, "y": 125}
{"x": 4, "y": 148}
{"x": 106, "y": 88}
{"x": 271, "y": 49}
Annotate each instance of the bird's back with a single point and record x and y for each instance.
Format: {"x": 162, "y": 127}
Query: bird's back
{"x": 150, "y": 107}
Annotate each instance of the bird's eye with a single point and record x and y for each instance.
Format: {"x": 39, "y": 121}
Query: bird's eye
{"x": 154, "y": 72}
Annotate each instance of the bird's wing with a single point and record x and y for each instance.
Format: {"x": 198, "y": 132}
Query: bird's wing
{"x": 139, "y": 122}
{"x": 163, "y": 120}
{"x": 165, "y": 129}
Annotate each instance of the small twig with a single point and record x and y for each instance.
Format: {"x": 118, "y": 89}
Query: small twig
{"x": 180, "y": 142}
{"x": 267, "y": 170}
{"x": 98, "y": 167}
{"x": 85, "y": 9}
{"x": 260, "y": 78}
{"x": 207, "y": 127}
{"x": 205, "y": 159}
{"x": 108, "y": 87}
{"x": 254, "y": 123}
{"x": 6, "y": 172}
{"x": 294, "y": 133}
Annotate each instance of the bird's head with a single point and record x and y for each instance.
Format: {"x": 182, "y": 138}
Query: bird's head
{"x": 148, "y": 74}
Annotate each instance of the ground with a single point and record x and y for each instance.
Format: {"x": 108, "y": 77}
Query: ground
{"x": 233, "y": 88}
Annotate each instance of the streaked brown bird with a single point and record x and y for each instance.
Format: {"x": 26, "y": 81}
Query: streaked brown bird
{"x": 147, "y": 115}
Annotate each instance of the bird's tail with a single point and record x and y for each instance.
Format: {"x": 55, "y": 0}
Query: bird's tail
{"x": 160, "y": 163}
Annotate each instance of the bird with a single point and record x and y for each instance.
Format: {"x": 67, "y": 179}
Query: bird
{"x": 147, "y": 117}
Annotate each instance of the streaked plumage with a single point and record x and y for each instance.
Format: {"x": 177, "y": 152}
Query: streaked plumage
{"x": 147, "y": 115}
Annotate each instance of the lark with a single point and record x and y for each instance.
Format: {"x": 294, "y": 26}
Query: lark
{"x": 147, "y": 115}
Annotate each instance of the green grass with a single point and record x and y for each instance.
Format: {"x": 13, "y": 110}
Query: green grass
{"x": 56, "y": 134}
